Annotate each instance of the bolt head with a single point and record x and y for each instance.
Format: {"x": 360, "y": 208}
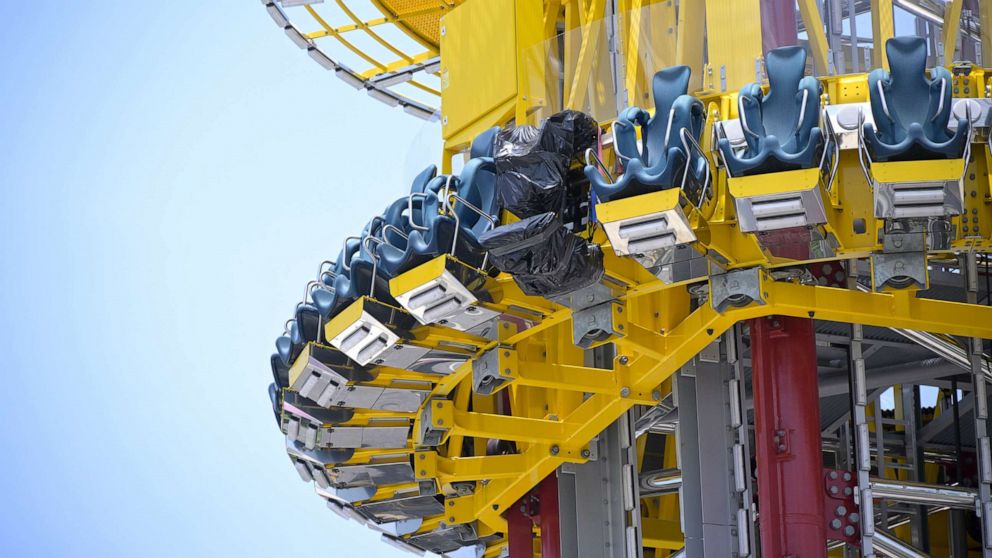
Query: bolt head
{"x": 555, "y": 449}
{"x": 625, "y": 392}
{"x": 624, "y": 360}
{"x": 841, "y": 511}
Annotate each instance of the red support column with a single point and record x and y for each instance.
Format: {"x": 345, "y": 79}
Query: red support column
{"x": 550, "y": 526}
{"x": 519, "y": 527}
{"x": 787, "y": 438}
{"x": 778, "y": 24}
{"x": 537, "y": 507}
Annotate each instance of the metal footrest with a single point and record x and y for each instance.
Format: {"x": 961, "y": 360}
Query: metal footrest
{"x": 329, "y": 378}
{"x": 370, "y": 332}
{"x": 781, "y": 200}
{"x": 918, "y": 189}
{"x": 446, "y": 292}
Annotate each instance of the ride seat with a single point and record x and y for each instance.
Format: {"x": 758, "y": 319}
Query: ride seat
{"x": 911, "y": 112}
{"x": 326, "y": 300}
{"x": 436, "y": 233}
{"x": 660, "y": 163}
{"x": 780, "y": 127}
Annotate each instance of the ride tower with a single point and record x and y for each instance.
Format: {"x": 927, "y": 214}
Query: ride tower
{"x": 694, "y": 278}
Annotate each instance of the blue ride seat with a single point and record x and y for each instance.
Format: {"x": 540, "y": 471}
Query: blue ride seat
{"x": 780, "y": 127}
{"x": 911, "y": 112}
{"x": 484, "y": 144}
{"x": 280, "y": 372}
{"x": 275, "y": 397}
{"x": 660, "y": 164}
{"x": 434, "y": 234}
{"x": 286, "y": 343}
{"x": 363, "y": 270}
{"x": 326, "y": 300}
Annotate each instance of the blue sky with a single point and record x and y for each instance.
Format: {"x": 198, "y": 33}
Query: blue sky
{"x": 172, "y": 173}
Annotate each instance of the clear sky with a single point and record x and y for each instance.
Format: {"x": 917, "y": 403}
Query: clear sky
{"x": 172, "y": 173}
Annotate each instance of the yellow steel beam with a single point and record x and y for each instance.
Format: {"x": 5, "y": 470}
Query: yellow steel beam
{"x": 733, "y": 41}
{"x": 817, "y": 35}
{"x": 652, "y": 357}
{"x": 882, "y": 29}
{"x": 591, "y": 20}
{"x": 662, "y": 533}
{"x": 985, "y": 24}
{"x": 689, "y": 39}
{"x": 952, "y": 24}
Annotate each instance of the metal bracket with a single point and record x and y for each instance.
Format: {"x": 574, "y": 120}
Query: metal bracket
{"x": 595, "y": 325}
{"x": 435, "y": 421}
{"x": 736, "y": 288}
{"x": 493, "y": 370}
{"x": 900, "y": 270}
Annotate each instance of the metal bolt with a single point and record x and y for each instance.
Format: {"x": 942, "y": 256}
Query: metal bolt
{"x": 422, "y": 457}
{"x": 625, "y": 392}
{"x": 841, "y": 511}
{"x": 834, "y": 490}
{"x": 854, "y": 518}
{"x": 848, "y": 491}
{"x": 624, "y": 360}
{"x": 555, "y": 449}
{"x": 506, "y": 353}
{"x": 833, "y": 475}
{"x": 423, "y": 473}
{"x": 835, "y": 524}
{"x": 440, "y": 422}
{"x": 585, "y": 453}
{"x": 849, "y": 531}
{"x": 781, "y": 447}
{"x": 847, "y": 476}
{"x": 656, "y": 395}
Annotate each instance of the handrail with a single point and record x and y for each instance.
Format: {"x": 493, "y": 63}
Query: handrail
{"x": 687, "y": 140}
{"x": 375, "y": 261}
{"x": 472, "y": 207}
{"x": 409, "y": 205}
{"x": 616, "y": 144}
{"x": 599, "y": 162}
{"x": 346, "y": 261}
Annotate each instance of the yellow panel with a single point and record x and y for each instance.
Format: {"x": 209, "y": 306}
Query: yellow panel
{"x": 734, "y": 41}
{"x": 478, "y": 65}
{"x": 883, "y": 27}
{"x": 774, "y": 183}
{"x": 655, "y": 202}
{"x": 918, "y": 171}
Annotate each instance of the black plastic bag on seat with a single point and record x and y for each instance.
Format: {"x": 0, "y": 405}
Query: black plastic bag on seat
{"x": 544, "y": 258}
{"x": 569, "y": 133}
{"x": 530, "y": 180}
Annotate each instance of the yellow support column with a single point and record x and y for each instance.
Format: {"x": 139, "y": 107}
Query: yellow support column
{"x": 985, "y": 13}
{"x": 882, "y": 29}
{"x": 734, "y": 42}
{"x": 816, "y": 33}
{"x": 689, "y": 39}
{"x": 952, "y": 24}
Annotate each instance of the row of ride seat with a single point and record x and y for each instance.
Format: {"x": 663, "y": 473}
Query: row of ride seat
{"x": 448, "y": 214}
{"x": 781, "y": 127}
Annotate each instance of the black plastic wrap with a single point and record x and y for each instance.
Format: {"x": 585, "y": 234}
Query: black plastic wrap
{"x": 569, "y": 133}
{"x": 544, "y": 258}
{"x": 532, "y": 164}
{"x": 530, "y": 180}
